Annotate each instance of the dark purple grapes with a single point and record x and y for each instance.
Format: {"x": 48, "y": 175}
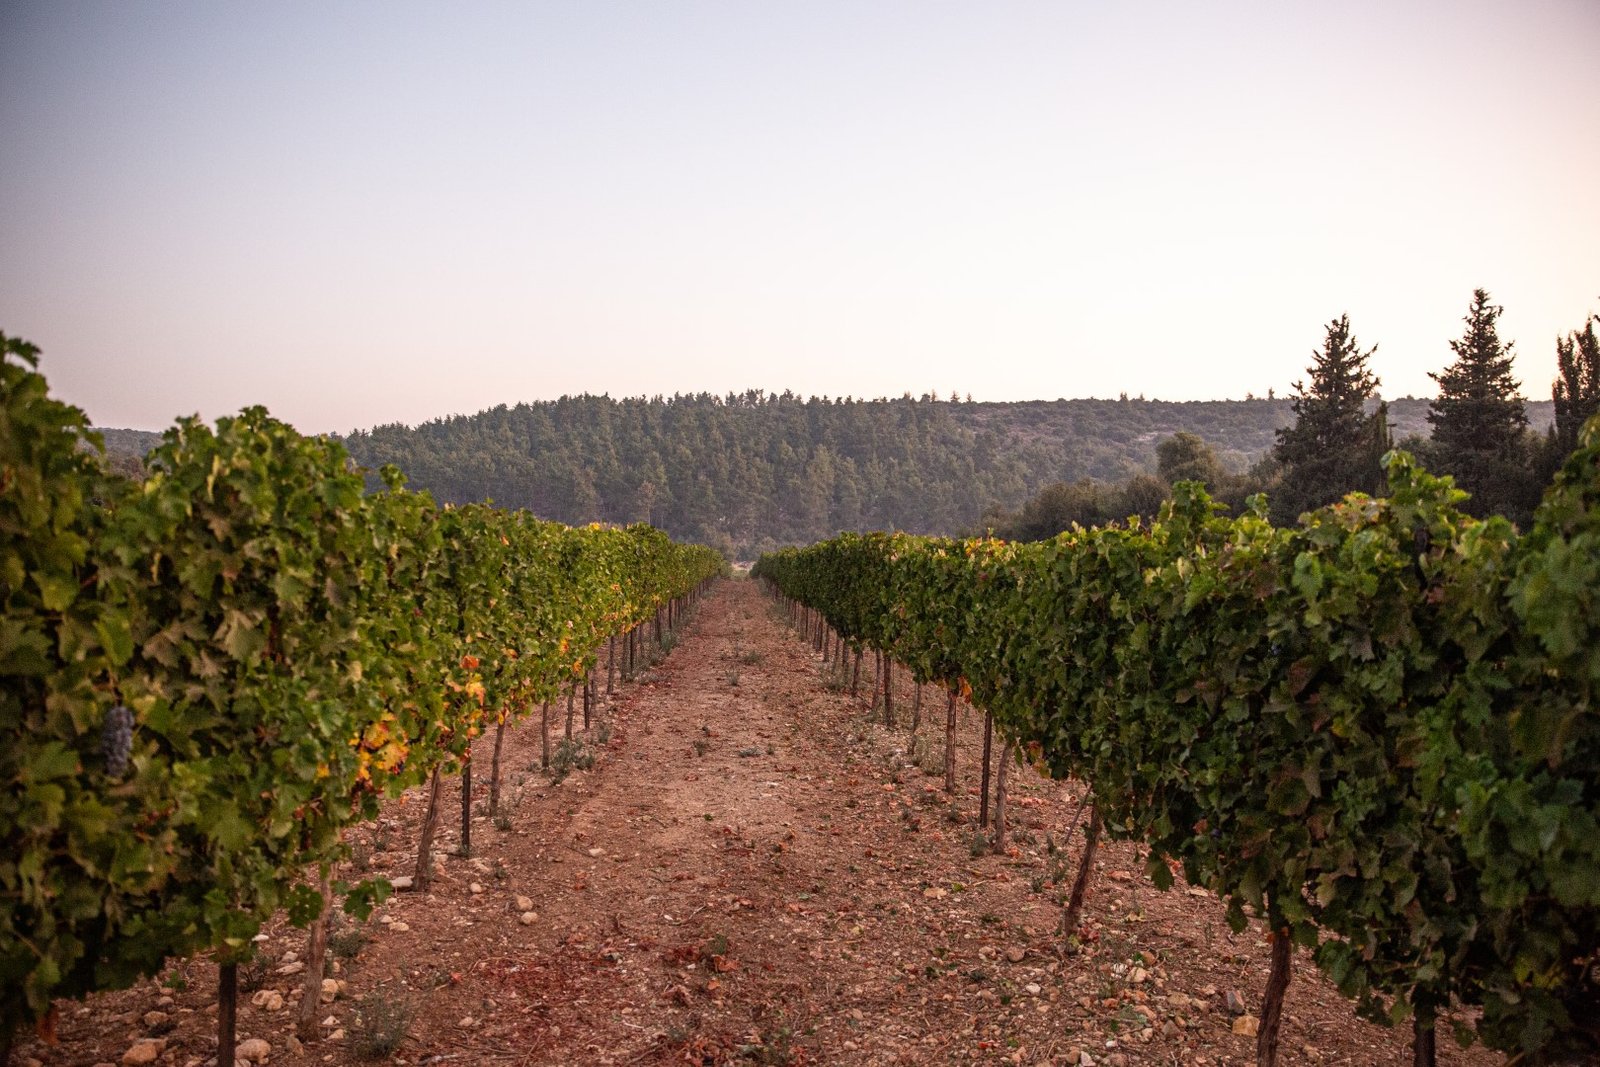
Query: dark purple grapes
{"x": 116, "y": 740}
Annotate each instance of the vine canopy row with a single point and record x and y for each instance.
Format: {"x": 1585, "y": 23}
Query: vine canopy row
{"x": 211, "y": 670}
{"x": 1376, "y": 729}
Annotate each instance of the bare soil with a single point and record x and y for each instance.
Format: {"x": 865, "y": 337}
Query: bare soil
{"x": 756, "y": 871}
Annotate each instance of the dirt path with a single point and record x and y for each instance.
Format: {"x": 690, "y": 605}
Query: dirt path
{"x": 755, "y": 872}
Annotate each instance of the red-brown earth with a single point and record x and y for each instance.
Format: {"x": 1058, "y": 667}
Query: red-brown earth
{"x": 755, "y": 869}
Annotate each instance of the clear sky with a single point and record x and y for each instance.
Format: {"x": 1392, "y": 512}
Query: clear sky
{"x": 372, "y": 212}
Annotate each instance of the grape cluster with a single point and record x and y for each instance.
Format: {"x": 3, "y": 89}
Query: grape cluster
{"x": 116, "y": 740}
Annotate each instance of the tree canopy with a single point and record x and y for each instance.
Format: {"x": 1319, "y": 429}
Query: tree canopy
{"x": 1335, "y": 445}
{"x": 1479, "y": 417}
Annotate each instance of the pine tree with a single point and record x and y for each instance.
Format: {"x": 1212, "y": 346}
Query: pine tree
{"x": 1479, "y": 423}
{"x": 1334, "y": 446}
{"x": 1576, "y": 390}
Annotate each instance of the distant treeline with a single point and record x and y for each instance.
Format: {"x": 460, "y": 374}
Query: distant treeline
{"x": 751, "y": 471}
{"x": 748, "y": 472}
{"x": 1500, "y": 449}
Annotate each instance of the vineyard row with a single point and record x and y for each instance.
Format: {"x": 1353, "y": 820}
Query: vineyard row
{"x": 1376, "y": 730}
{"x": 211, "y": 671}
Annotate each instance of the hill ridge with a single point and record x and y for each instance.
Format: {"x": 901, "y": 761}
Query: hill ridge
{"x": 749, "y": 471}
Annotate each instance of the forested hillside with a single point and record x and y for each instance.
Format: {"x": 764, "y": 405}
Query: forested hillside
{"x": 746, "y": 472}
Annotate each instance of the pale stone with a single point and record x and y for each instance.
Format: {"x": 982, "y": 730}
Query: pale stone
{"x": 1246, "y": 1025}
{"x": 144, "y": 1051}
{"x": 401, "y": 883}
{"x": 268, "y": 1000}
{"x": 524, "y": 904}
{"x": 528, "y": 918}
{"x": 330, "y": 990}
{"x": 253, "y": 1050}
{"x": 399, "y": 928}
{"x": 155, "y": 1018}
{"x": 291, "y": 968}
{"x": 1033, "y": 988}
{"x": 337, "y": 1035}
{"x": 475, "y": 887}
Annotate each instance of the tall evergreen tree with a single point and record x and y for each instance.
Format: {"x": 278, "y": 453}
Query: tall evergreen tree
{"x": 1334, "y": 446}
{"x": 1479, "y": 422}
{"x": 1576, "y": 390}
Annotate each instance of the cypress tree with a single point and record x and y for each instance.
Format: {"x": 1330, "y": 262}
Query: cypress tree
{"x": 1334, "y": 446}
{"x": 1479, "y": 423}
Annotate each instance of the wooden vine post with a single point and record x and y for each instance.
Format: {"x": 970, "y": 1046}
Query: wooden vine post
{"x": 544, "y": 734}
{"x": 888, "y": 690}
{"x": 1080, "y": 887}
{"x": 950, "y": 743}
{"x": 1424, "y": 1033}
{"x": 494, "y": 765}
{"x": 227, "y": 1012}
{"x": 588, "y": 697}
{"x": 1272, "y": 1001}
{"x": 983, "y": 777}
{"x": 305, "y": 1026}
{"x": 465, "y": 847}
{"x": 430, "y": 820}
{"x": 1001, "y": 773}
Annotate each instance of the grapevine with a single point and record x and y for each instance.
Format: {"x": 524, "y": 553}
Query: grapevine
{"x": 211, "y": 671}
{"x": 1374, "y": 730}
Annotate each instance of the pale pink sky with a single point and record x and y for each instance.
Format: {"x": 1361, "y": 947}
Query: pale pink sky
{"x": 369, "y": 212}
